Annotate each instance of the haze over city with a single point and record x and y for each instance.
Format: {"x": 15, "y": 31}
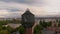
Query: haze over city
{"x": 14, "y": 8}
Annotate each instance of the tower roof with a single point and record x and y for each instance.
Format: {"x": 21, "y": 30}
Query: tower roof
{"x": 27, "y": 12}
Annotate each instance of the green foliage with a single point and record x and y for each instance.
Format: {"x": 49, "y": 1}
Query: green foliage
{"x": 4, "y": 32}
{"x": 49, "y": 23}
{"x": 45, "y": 24}
{"x": 21, "y": 29}
{"x": 10, "y": 29}
{"x": 3, "y": 22}
{"x": 41, "y": 26}
{"x": 59, "y": 24}
{"x": 37, "y": 30}
{"x": 57, "y": 20}
{"x": 1, "y": 27}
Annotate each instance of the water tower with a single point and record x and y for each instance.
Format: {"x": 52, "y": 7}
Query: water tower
{"x": 28, "y": 21}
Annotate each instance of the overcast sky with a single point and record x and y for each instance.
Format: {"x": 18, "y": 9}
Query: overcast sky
{"x": 15, "y": 8}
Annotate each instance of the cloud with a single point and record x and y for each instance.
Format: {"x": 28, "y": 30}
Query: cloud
{"x": 7, "y": 14}
{"x": 52, "y": 7}
{"x": 20, "y": 1}
{"x": 15, "y": 8}
{"x": 8, "y": 10}
{"x": 3, "y": 13}
{"x": 29, "y": 2}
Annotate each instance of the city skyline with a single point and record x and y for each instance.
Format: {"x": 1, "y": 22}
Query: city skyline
{"x": 15, "y": 8}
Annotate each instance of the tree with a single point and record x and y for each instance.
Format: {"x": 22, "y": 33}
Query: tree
{"x": 59, "y": 24}
{"x": 1, "y": 27}
{"x": 21, "y": 29}
{"x": 10, "y": 29}
{"x": 4, "y": 32}
{"x": 37, "y": 30}
{"x": 49, "y": 23}
{"x": 45, "y": 24}
{"x": 3, "y": 22}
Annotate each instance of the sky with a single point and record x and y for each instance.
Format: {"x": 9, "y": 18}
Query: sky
{"x": 15, "y": 8}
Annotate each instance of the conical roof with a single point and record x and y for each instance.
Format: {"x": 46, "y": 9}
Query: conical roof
{"x": 27, "y": 12}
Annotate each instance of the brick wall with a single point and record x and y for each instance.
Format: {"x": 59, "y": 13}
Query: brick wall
{"x": 28, "y": 31}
